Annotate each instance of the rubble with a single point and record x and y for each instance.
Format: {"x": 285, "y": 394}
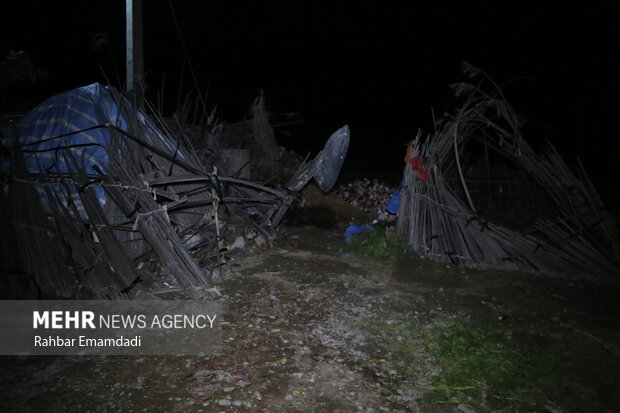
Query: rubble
{"x": 95, "y": 198}
{"x": 449, "y": 211}
{"x": 369, "y": 195}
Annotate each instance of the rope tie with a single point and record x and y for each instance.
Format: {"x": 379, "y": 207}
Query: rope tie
{"x": 163, "y": 209}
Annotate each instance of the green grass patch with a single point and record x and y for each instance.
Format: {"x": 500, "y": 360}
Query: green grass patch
{"x": 379, "y": 242}
{"x": 480, "y": 366}
{"x": 483, "y": 368}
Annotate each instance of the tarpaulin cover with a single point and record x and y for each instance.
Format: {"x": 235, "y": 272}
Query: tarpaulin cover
{"x": 332, "y": 158}
{"x": 77, "y": 121}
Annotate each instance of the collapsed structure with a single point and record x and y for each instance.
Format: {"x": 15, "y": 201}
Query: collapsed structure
{"x": 475, "y": 193}
{"x": 96, "y": 200}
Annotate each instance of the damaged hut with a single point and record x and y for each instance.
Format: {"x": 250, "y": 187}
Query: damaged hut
{"x": 98, "y": 202}
{"x": 475, "y": 193}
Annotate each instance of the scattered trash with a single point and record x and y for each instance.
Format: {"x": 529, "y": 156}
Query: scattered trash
{"x": 394, "y": 203}
{"x": 371, "y": 196}
{"x": 356, "y": 229}
{"x": 239, "y": 243}
{"x": 260, "y": 241}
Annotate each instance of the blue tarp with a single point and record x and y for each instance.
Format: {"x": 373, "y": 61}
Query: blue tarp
{"x": 68, "y": 112}
{"x": 355, "y": 229}
{"x": 394, "y": 204}
{"x": 81, "y": 109}
{"x": 77, "y": 119}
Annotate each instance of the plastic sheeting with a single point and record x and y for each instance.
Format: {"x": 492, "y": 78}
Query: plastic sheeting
{"x": 77, "y": 123}
{"x": 332, "y": 158}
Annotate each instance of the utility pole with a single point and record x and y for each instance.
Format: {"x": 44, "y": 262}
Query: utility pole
{"x": 135, "y": 48}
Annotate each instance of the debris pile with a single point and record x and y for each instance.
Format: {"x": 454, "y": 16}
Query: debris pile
{"x": 441, "y": 218}
{"x": 371, "y": 196}
{"x": 97, "y": 202}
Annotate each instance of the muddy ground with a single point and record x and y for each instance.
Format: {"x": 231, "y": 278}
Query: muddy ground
{"x": 311, "y": 327}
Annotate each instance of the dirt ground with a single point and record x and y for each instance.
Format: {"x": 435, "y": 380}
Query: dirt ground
{"x": 311, "y": 327}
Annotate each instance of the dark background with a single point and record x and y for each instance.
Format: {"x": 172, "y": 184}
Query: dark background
{"x": 378, "y": 66}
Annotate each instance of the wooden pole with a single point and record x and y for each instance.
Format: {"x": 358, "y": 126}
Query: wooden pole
{"x": 134, "y": 47}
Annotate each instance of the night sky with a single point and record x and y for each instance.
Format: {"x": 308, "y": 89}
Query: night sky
{"x": 377, "y": 66}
